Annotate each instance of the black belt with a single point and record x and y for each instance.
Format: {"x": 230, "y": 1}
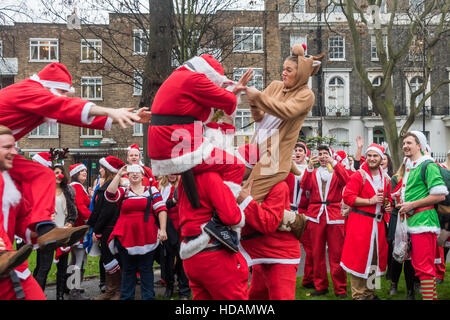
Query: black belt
{"x": 327, "y": 203}
{"x": 252, "y": 235}
{"x": 294, "y": 208}
{"x": 169, "y": 120}
{"x": 377, "y": 217}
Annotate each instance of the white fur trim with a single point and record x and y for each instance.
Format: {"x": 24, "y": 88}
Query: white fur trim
{"x": 85, "y": 113}
{"x": 234, "y": 187}
{"x": 24, "y": 274}
{"x": 77, "y": 169}
{"x": 104, "y": 163}
{"x": 188, "y": 249}
{"x": 111, "y": 265}
{"x": 219, "y": 140}
{"x": 41, "y": 160}
{"x": 423, "y": 229}
{"x": 377, "y": 150}
{"x": 108, "y": 124}
{"x": 439, "y": 190}
{"x": 133, "y": 251}
{"x": 182, "y": 163}
{"x": 200, "y": 65}
{"x": 267, "y": 260}
{"x": 53, "y": 84}
{"x": 245, "y": 203}
{"x": 11, "y": 197}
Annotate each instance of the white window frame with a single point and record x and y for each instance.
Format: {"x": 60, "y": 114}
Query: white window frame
{"x": 39, "y": 40}
{"x": 329, "y": 48}
{"x": 297, "y": 38}
{"x": 373, "y": 45}
{"x": 409, "y": 76}
{"x": 142, "y": 37}
{"x": 94, "y": 45}
{"x": 90, "y": 133}
{"x": 95, "y": 84}
{"x": 137, "y": 87}
{"x": 39, "y": 135}
{"x": 258, "y": 77}
{"x": 344, "y": 74}
{"x": 240, "y": 32}
{"x": 138, "y": 129}
{"x": 249, "y": 130}
{"x": 297, "y": 6}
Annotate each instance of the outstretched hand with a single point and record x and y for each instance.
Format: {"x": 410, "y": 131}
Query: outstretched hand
{"x": 123, "y": 116}
{"x": 245, "y": 192}
{"x": 144, "y": 115}
{"x": 243, "y": 81}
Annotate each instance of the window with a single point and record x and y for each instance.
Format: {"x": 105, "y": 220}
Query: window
{"x": 373, "y": 47}
{"x": 416, "y": 82}
{"x": 378, "y": 136}
{"x": 137, "y": 83}
{"x": 336, "y": 102}
{"x": 257, "y": 80}
{"x": 376, "y": 82}
{"x": 138, "y": 129}
{"x": 413, "y": 83}
{"x": 44, "y": 50}
{"x": 383, "y": 8}
{"x": 243, "y": 119}
{"x": 91, "y": 88}
{"x": 416, "y": 6}
{"x": 91, "y": 50}
{"x": 140, "y": 42}
{"x": 336, "y": 48}
{"x": 1, "y": 48}
{"x": 296, "y": 38}
{"x": 334, "y": 8}
{"x": 247, "y": 39}
{"x": 297, "y": 6}
{"x": 47, "y": 130}
{"x": 90, "y": 133}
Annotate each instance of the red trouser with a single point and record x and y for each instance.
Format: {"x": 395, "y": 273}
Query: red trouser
{"x": 37, "y": 184}
{"x": 440, "y": 267}
{"x": 217, "y": 275}
{"x": 30, "y": 287}
{"x": 423, "y": 253}
{"x": 308, "y": 271}
{"x": 227, "y": 165}
{"x": 332, "y": 235}
{"x": 273, "y": 282}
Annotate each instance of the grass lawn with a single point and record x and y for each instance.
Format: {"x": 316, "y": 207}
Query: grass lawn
{"x": 300, "y": 294}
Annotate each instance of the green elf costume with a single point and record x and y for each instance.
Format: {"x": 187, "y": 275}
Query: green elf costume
{"x": 423, "y": 222}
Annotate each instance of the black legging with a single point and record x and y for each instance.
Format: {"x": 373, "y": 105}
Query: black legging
{"x": 44, "y": 260}
{"x": 395, "y": 269}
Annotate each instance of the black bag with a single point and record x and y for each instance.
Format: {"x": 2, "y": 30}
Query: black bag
{"x": 222, "y": 233}
{"x": 446, "y": 177}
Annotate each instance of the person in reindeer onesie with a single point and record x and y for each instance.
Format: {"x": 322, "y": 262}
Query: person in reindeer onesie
{"x": 368, "y": 193}
{"x": 286, "y": 104}
{"x": 23, "y": 107}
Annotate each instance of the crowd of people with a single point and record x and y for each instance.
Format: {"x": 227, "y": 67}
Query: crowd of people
{"x": 227, "y": 224}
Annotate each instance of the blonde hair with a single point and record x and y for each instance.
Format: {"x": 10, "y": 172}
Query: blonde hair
{"x": 164, "y": 181}
{"x": 400, "y": 172}
{"x": 5, "y": 130}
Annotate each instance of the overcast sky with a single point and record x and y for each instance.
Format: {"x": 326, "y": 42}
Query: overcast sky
{"x": 86, "y": 9}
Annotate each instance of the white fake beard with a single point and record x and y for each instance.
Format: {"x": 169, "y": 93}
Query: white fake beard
{"x": 324, "y": 174}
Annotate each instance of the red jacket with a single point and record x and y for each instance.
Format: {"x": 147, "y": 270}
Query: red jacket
{"x": 333, "y": 195}
{"x": 27, "y": 104}
{"x": 82, "y": 203}
{"x": 271, "y": 246}
{"x": 184, "y": 93}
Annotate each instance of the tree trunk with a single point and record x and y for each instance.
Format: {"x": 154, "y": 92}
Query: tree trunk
{"x": 158, "y": 61}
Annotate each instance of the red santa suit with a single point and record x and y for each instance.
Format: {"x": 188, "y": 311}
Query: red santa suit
{"x": 183, "y": 103}
{"x": 274, "y": 255}
{"x": 363, "y": 231}
{"x": 133, "y": 233}
{"x": 214, "y": 272}
{"x": 10, "y": 203}
{"x": 23, "y": 107}
{"x": 326, "y": 225}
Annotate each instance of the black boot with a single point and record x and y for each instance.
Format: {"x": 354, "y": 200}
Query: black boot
{"x": 60, "y": 285}
{"x": 169, "y": 292}
{"x": 411, "y": 295}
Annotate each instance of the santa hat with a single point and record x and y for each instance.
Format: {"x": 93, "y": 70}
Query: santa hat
{"x": 134, "y": 146}
{"x": 248, "y": 154}
{"x": 377, "y": 148}
{"x": 112, "y": 163}
{"x": 209, "y": 66}
{"x": 43, "y": 158}
{"x": 422, "y": 139}
{"x": 75, "y": 168}
{"x": 55, "y": 76}
{"x": 213, "y": 63}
